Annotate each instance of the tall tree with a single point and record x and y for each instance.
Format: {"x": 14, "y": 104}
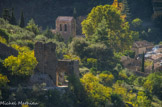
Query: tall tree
{"x": 126, "y": 10}
{"x": 6, "y": 14}
{"x": 143, "y": 63}
{"x": 47, "y": 33}
{"x": 108, "y": 12}
{"x": 153, "y": 67}
{"x": 75, "y": 13}
{"x": 22, "y": 20}
{"x": 106, "y": 22}
{"x": 31, "y": 26}
{"x": 13, "y": 19}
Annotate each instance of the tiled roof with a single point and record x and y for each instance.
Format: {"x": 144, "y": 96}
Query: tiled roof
{"x": 65, "y": 18}
{"x": 144, "y": 43}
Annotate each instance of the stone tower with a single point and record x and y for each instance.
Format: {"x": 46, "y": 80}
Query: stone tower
{"x": 48, "y": 63}
{"x": 46, "y": 57}
{"x": 66, "y": 26}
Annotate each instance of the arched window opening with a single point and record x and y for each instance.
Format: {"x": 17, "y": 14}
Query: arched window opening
{"x": 60, "y": 27}
{"x": 65, "y": 27}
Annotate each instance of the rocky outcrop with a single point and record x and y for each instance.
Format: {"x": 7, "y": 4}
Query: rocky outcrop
{"x": 39, "y": 78}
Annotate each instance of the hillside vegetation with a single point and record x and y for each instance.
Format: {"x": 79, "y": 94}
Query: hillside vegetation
{"x": 109, "y": 35}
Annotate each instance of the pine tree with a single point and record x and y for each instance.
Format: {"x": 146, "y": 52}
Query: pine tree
{"x": 126, "y": 10}
{"x": 47, "y": 33}
{"x": 75, "y": 13}
{"x": 6, "y": 14}
{"x": 153, "y": 67}
{"x": 22, "y": 21}
{"x": 13, "y": 19}
{"x": 31, "y": 26}
{"x": 143, "y": 63}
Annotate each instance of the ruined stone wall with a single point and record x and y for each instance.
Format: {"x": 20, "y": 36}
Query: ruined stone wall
{"x": 46, "y": 57}
{"x": 6, "y": 51}
{"x": 68, "y": 66}
{"x": 48, "y": 63}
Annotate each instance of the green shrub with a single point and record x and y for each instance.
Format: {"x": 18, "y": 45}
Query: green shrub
{"x": 4, "y": 34}
{"x": 40, "y": 38}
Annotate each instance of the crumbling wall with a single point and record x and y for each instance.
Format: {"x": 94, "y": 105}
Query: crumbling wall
{"x": 49, "y": 64}
{"x": 47, "y": 60}
{"x": 68, "y": 66}
{"x": 6, "y": 51}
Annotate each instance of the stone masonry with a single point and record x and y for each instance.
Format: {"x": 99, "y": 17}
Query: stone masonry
{"x": 49, "y": 64}
{"x": 66, "y": 26}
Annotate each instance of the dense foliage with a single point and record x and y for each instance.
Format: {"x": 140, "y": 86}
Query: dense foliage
{"x": 104, "y": 24}
{"x": 103, "y": 81}
{"x": 24, "y": 64}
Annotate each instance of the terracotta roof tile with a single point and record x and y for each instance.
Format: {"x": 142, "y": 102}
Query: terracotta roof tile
{"x": 143, "y": 43}
{"x": 65, "y": 18}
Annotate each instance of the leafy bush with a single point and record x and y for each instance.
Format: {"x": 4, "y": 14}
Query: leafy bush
{"x": 116, "y": 100}
{"x": 96, "y": 91}
{"x": 139, "y": 81}
{"x": 13, "y": 33}
{"x": 24, "y": 64}
{"x": 3, "y": 80}
{"x": 71, "y": 57}
{"x": 106, "y": 79}
{"x": 142, "y": 100}
{"x": 137, "y": 23}
{"x": 4, "y": 34}
{"x": 91, "y": 62}
{"x": 3, "y": 40}
{"x": 78, "y": 46}
{"x": 47, "y": 33}
{"x": 40, "y": 38}
{"x": 129, "y": 53}
{"x": 154, "y": 84}
{"x": 27, "y": 43}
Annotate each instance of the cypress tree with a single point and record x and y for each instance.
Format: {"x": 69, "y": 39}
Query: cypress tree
{"x": 153, "y": 67}
{"x": 126, "y": 10}
{"x": 6, "y": 14}
{"x": 22, "y": 21}
{"x": 13, "y": 19}
{"x": 47, "y": 33}
{"x": 143, "y": 63}
{"x": 75, "y": 13}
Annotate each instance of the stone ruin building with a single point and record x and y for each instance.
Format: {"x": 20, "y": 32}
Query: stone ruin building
{"x": 49, "y": 64}
{"x": 49, "y": 70}
{"x": 66, "y": 26}
{"x": 142, "y": 46}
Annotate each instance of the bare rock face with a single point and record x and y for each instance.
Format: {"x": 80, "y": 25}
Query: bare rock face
{"x": 39, "y": 78}
{"x": 46, "y": 57}
{"x": 6, "y": 51}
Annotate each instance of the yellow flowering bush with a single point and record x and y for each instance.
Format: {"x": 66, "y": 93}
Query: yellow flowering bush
{"x": 23, "y": 64}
